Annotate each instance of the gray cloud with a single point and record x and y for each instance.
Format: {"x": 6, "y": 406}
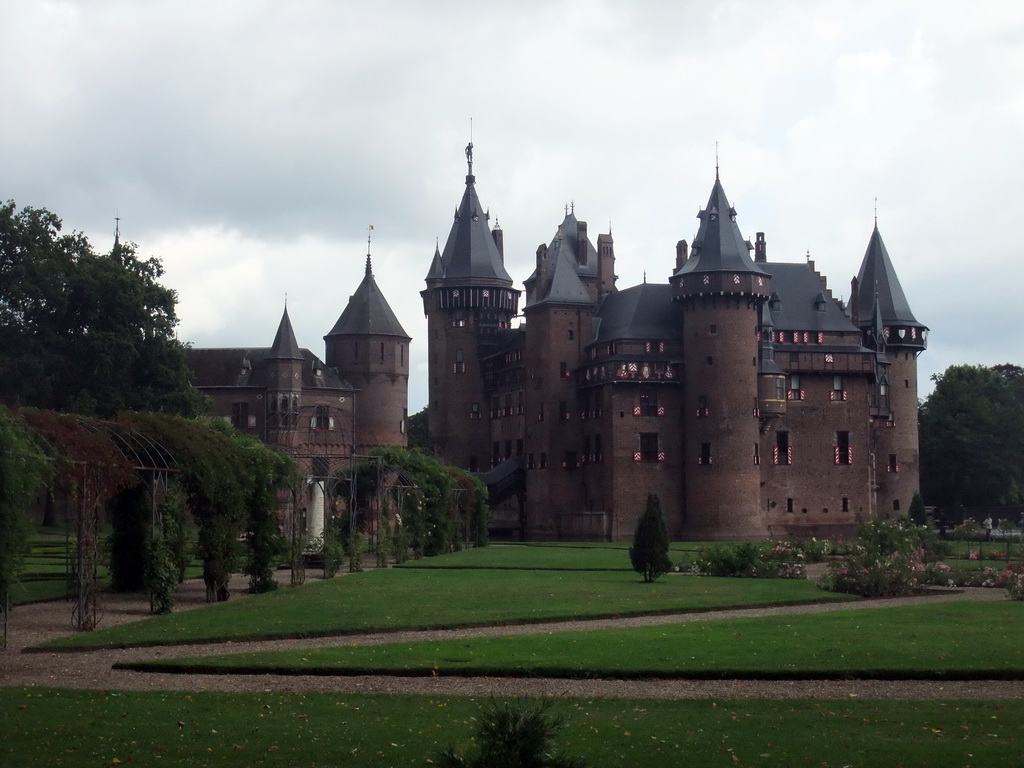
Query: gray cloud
{"x": 249, "y": 144}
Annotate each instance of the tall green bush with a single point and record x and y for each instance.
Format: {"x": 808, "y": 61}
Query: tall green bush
{"x": 649, "y": 553}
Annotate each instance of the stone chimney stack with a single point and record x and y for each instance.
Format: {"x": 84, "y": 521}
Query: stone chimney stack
{"x": 682, "y": 254}
{"x": 760, "y": 248}
{"x": 499, "y": 240}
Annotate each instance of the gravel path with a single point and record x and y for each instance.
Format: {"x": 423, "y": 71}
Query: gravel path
{"x": 33, "y": 624}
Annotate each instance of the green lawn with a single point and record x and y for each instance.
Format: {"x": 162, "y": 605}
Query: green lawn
{"x": 45, "y": 728}
{"x": 560, "y": 556}
{"x": 931, "y": 641}
{"x": 396, "y": 598}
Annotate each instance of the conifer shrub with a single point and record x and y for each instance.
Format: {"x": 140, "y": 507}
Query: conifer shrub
{"x": 649, "y": 553}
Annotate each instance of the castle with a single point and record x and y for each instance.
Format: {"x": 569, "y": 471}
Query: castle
{"x": 744, "y": 394}
{"x": 322, "y": 412}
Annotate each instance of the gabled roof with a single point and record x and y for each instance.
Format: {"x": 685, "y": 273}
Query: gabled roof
{"x": 645, "y": 311}
{"x": 239, "y": 367}
{"x": 719, "y": 246}
{"x": 563, "y": 284}
{"x": 368, "y": 312}
{"x": 285, "y": 347}
{"x": 470, "y": 254}
{"x": 801, "y": 301}
{"x": 877, "y": 276}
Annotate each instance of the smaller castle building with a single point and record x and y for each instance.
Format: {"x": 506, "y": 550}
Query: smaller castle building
{"x": 324, "y": 411}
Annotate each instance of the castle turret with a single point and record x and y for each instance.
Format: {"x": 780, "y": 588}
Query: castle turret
{"x": 722, "y": 291}
{"x": 369, "y": 348}
{"x": 468, "y": 300}
{"x": 888, "y": 326}
{"x": 562, "y": 296}
{"x": 284, "y": 385}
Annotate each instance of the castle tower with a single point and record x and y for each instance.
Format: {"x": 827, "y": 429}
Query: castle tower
{"x": 284, "y": 385}
{"x": 721, "y": 291}
{"x": 560, "y": 305}
{"x": 369, "y": 348}
{"x": 467, "y": 301}
{"x": 888, "y": 325}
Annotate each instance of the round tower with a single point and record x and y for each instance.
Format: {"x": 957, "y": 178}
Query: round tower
{"x": 369, "y": 348}
{"x": 468, "y": 300}
{"x": 721, "y": 291}
{"x": 889, "y": 327}
{"x": 284, "y": 386}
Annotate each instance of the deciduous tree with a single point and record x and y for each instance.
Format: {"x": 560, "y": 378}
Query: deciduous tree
{"x": 85, "y": 332}
{"x": 972, "y": 437}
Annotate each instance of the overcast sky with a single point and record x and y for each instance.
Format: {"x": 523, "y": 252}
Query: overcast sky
{"x": 249, "y": 144}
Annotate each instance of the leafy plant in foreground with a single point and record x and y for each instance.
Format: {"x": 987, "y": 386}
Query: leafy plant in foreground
{"x": 511, "y": 735}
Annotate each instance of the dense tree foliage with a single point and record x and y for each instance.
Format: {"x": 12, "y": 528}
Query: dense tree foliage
{"x": 418, "y": 431}
{"x": 649, "y": 553}
{"x": 972, "y": 437}
{"x": 85, "y": 332}
{"x": 231, "y": 482}
{"x": 446, "y": 508}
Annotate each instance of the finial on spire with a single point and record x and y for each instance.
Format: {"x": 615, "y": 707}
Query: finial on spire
{"x": 808, "y": 257}
{"x": 469, "y": 148}
{"x": 716, "y": 161}
{"x": 572, "y": 206}
{"x": 566, "y": 209}
{"x": 117, "y": 230}
{"x": 876, "y": 211}
{"x": 370, "y": 229}
{"x": 286, "y": 301}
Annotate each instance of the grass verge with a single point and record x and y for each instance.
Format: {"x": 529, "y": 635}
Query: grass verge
{"x": 391, "y": 599}
{"x": 943, "y": 641}
{"x": 65, "y": 728}
{"x": 573, "y": 556}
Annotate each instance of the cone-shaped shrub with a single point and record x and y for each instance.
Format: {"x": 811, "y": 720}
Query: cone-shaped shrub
{"x": 649, "y": 553}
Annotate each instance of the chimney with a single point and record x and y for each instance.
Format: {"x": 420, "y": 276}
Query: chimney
{"x": 760, "y": 248}
{"x": 855, "y": 301}
{"x": 542, "y": 272}
{"x": 682, "y": 254}
{"x": 581, "y": 243}
{"x": 499, "y": 240}
{"x": 605, "y": 265}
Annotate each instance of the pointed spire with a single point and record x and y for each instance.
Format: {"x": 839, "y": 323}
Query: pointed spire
{"x": 470, "y": 255}
{"x": 368, "y": 312}
{"x": 285, "y": 347}
{"x": 718, "y": 245}
{"x": 877, "y": 278}
{"x": 436, "y": 267}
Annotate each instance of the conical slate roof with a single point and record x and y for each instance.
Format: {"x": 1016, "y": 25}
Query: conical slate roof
{"x": 368, "y": 312}
{"x": 563, "y": 285}
{"x": 470, "y": 255}
{"x": 878, "y": 278}
{"x": 285, "y": 347}
{"x": 719, "y": 246}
